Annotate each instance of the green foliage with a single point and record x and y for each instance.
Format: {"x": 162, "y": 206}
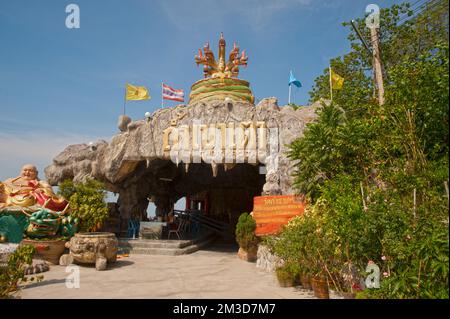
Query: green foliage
{"x": 299, "y": 244}
{"x": 330, "y": 146}
{"x": 360, "y": 164}
{"x": 245, "y": 232}
{"x": 418, "y": 104}
{"x": 87, "y": 201}
{"x": 13, "y": 274}
{"x": 288, "y": 273}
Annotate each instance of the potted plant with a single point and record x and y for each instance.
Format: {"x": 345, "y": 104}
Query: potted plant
{"x": 285, "y": 277}
{"x": 305, "y": 273}
{"x": 90, "y": 245}
{"x": 288, "y": 274}
{"x": 350, "y": 280}
{"x": 319, "y": 285}
{"x": 320, "y": 255}
{"x": 245, "y": 236}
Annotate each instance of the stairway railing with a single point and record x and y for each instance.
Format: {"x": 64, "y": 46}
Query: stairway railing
{"x": 221, "y": 228}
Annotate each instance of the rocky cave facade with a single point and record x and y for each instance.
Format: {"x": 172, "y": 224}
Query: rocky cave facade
{"x": 139, "y": 164}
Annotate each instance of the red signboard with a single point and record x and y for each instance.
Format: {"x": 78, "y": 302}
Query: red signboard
{"x": 271, "y": 212}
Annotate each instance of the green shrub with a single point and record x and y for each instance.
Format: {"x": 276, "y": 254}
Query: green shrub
{"x": 360, "y": 163}
{"x": 286, "y": 276}
{"x": 13, "y": 274}
{"x": 87, "y": 201}
{"x": 245, "y": 232}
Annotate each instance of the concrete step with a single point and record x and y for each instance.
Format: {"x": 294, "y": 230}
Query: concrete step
{"x": 150, "y": 243}
{"x": 171, "y": 251}
{"x": 164, "y": 247}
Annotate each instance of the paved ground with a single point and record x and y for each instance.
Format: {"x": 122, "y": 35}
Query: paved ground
{"x": 213, "y": 273}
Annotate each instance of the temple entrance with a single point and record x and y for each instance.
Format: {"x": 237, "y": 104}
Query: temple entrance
{"x": 214, "y": 199}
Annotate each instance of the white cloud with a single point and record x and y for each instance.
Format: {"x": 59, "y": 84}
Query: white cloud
{"x": 38, "y": 148}
{"x": 257, "y": 13}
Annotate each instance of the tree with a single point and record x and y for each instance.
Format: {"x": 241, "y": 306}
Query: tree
{"x": 360, "y": 163}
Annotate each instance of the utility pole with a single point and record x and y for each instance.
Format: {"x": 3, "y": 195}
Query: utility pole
{"x": 377, "y": 64}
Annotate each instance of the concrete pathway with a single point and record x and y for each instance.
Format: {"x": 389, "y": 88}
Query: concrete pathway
{"x": 216, "y": 272}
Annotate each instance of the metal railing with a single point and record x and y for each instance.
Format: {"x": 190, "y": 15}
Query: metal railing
{"x": 221, "y": 228}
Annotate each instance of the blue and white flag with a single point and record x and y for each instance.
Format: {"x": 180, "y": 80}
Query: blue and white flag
{"x": 293, "y": 80}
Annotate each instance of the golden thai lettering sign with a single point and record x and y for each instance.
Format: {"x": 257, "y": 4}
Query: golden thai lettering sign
{"x": 240, "y": 142}
{"x": 271, "y": 212}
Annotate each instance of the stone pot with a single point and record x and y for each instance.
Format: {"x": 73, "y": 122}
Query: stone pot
{"x": 48, "y": 250}
{"x": 92, "y": 248}
{"x": 250, "y": 255}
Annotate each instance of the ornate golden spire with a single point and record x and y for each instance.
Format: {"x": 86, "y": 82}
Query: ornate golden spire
{"x": 220, "y": 68}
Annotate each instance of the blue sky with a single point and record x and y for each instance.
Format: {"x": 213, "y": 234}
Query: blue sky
{"x": 61, "y": 86}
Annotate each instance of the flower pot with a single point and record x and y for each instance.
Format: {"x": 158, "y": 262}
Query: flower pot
{"x": 98, "y": 248}
{"x": 48, "y": 250}
{"x": 250, "y": 255}
{"x": 305, "y": 282}
{"x": 285, "y": 280}
{"x": 297, "y": 280}
{"x": 320, "y": 288}
{"x": 348, "y": 295}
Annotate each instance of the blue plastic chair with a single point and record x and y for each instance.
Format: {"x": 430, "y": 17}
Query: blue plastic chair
{"x": 133, "y": 228}
{"x": 195, "y": 225}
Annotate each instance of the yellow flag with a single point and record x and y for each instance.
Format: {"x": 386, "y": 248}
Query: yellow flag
{"x": 135, "y": 93}
{"x": 337, "y": 81}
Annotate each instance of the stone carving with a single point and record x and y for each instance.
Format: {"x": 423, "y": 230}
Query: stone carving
{"x": 91, "y": 248}
{"x": 221, "y": 82}
{"x": 220, "y": 68}
{"x": 37, "y": 266}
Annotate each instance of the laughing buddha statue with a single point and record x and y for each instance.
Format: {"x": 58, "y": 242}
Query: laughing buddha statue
{"x": 27, "y": 191}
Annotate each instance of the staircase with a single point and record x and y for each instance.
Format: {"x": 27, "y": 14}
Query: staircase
{"x": 220, "y": 228}
{"x": 165, "y": 247}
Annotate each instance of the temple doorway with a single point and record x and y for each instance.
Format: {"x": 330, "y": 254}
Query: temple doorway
{"x": 218, "y": 197}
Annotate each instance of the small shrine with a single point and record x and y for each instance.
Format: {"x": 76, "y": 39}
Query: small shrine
{"x": 221, "y": 80}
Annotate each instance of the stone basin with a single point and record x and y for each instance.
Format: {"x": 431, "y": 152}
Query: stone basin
{"x": 97, "y": 248}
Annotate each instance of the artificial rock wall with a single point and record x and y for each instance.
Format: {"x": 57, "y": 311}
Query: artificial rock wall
{"x": 135, "y": 165}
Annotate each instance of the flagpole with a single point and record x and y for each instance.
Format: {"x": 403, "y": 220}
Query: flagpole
{"x": 289, "y": 99}
{"x": 162, "y": 95}
{"x": 124, "y": 100}
{"x": 331, "y": 86}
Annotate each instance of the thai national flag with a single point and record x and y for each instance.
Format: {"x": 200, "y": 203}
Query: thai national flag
{"x": 172, "y": 94}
